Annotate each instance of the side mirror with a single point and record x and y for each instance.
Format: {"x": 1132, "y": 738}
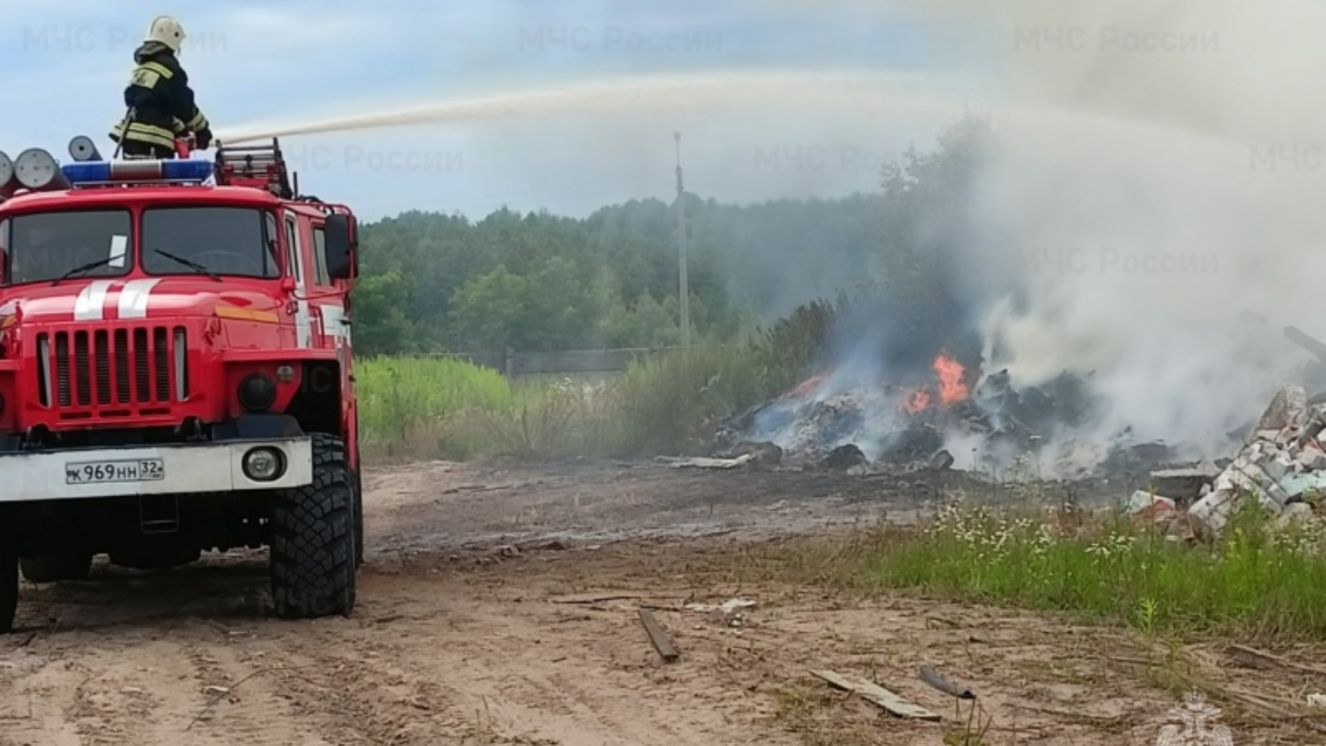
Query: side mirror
{"x": 342, "y": 247}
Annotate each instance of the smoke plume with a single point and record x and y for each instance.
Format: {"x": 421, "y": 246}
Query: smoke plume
{"x": 1154, "y": 198}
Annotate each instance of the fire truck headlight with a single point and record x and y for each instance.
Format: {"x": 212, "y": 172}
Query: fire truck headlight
{"x": 264, "y": 464}
{"x": 257, "y": 392}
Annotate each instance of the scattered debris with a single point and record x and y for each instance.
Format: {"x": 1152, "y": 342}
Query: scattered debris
{"x": 1277, "y": 467}
{"x": 1316, "y": 699}
{"x": 1295, "y": 514}
{"x": 843, "y": 458}
{"x": 707, "y": 463}
{"x": 222, "y": 694}
{"x": 216, "y": 690}
{"x": 1150, "y": 507}
{"x": 1298, "y": 485}
{"x": 1312, "y": 458}
{"x": 470, "y": 488}
{"x": 132, "y": 691}
{"x": 731, "y": 606}
{"x": 596, "y": 598}
{"x": 1185, "y": 486}
{"x": 1254, "y": 658}
{"x": 942, "y": 461}
{"x": 937, "y": 680}
{"x": 877, "y": 695}
{"x": 762, "y": 453}
{"x": 730, "y": 613}
{"x": 547, "y": 545}
{"x": 662, "y": 643}
{"x": 1307, "y": 342}
{"x": 1187, "y": 529}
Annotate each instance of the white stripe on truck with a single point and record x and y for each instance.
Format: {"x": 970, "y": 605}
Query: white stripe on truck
{"x": 90, "y": 305}
{"x": 134, "y": 297}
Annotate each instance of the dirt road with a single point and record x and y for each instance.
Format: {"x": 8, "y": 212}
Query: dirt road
{"x": 499, "y": 607}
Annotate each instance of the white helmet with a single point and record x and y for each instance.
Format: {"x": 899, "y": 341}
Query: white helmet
{"x": 166, "y": 30}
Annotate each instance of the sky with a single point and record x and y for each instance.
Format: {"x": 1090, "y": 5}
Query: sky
{"x": 804, "y": 104}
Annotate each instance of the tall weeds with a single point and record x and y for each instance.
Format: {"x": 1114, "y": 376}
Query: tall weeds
{"x": 668, "y": 403}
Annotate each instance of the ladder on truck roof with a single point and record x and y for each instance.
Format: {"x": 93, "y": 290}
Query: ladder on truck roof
{"x": 256, "y": 166}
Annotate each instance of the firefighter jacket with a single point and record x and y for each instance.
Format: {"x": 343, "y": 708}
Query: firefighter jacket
{"x": 161, "y": 105}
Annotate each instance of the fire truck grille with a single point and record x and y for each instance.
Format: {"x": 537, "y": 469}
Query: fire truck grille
{"x": 112, "y": 371}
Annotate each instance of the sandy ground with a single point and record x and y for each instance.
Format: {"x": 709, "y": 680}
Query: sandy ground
{"x": 500, "y": 607}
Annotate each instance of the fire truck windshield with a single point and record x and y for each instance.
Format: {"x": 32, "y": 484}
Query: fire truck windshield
{"x": 48, "y": 246}
{"x": 208, "y": 240}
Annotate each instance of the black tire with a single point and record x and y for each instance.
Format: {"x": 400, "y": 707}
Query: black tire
{"x": 313, "y": 550}
{"x": 8, "y": 587}
{"x": 51, "y": 568}
{"x": 359, "y": 520}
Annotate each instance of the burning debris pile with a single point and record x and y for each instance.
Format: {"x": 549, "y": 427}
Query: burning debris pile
{"x": 924, "y": 389}
{"x": 849, "y": 421}
{"x": 1281, "y": 467}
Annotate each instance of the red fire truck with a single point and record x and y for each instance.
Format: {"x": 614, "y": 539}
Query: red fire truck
{"x": 175, "y": 372}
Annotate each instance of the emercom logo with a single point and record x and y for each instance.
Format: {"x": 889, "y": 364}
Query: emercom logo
{"x": 1195, "y": 726}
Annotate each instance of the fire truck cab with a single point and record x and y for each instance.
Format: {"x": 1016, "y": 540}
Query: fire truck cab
{"x": 176, "y": 373}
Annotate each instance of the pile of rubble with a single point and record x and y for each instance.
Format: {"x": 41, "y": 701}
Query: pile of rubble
{"x": 1282, "y": 467}
{"x": 837, "y": 422}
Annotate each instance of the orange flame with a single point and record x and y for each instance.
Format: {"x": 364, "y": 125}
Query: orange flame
{"x": 952, "y": 386}
{"x": 807, "y": 387}
{"x": 916, "y": 402}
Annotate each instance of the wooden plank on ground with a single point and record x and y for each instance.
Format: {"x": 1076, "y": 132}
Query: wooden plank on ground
{"x": 1254, "y": 658}
{"x": 597, "y": 598}
{"x": 662, "y": 643}
{"x": 878, "y": 695}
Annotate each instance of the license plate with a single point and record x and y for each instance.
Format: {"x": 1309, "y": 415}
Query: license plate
{"x": 103, "y": 472}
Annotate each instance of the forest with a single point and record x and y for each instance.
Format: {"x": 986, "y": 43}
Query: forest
{"x": 437, "y": 282}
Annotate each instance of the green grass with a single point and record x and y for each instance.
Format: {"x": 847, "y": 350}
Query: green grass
{"x": 1255, "y": 582}
{"x": 402, "y": 400}
{"x": 665, "y": 404}
{"x": 671, "y": 403}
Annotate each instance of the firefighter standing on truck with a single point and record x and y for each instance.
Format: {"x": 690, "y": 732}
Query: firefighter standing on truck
{"x": 161, "y": 105}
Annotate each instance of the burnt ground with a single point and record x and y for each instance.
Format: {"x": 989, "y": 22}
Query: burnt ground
{"x": 498, "y": 606}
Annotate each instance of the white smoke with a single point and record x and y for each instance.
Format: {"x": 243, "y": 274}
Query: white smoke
{"x": 1160, "y": 172}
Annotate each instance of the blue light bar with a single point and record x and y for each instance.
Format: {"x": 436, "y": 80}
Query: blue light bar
{"x": 102, "y": 172}
{"x": 87, "y": 172}
{"x": 187, "y": 170}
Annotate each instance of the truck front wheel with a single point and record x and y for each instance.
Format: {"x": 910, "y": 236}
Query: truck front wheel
{"x": 313, "y": 539}
{"x": 359, "y": 520}
{"x": 8, "y": 586}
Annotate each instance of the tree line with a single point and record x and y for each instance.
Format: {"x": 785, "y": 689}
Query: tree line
{"x": 435, "y": 282}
